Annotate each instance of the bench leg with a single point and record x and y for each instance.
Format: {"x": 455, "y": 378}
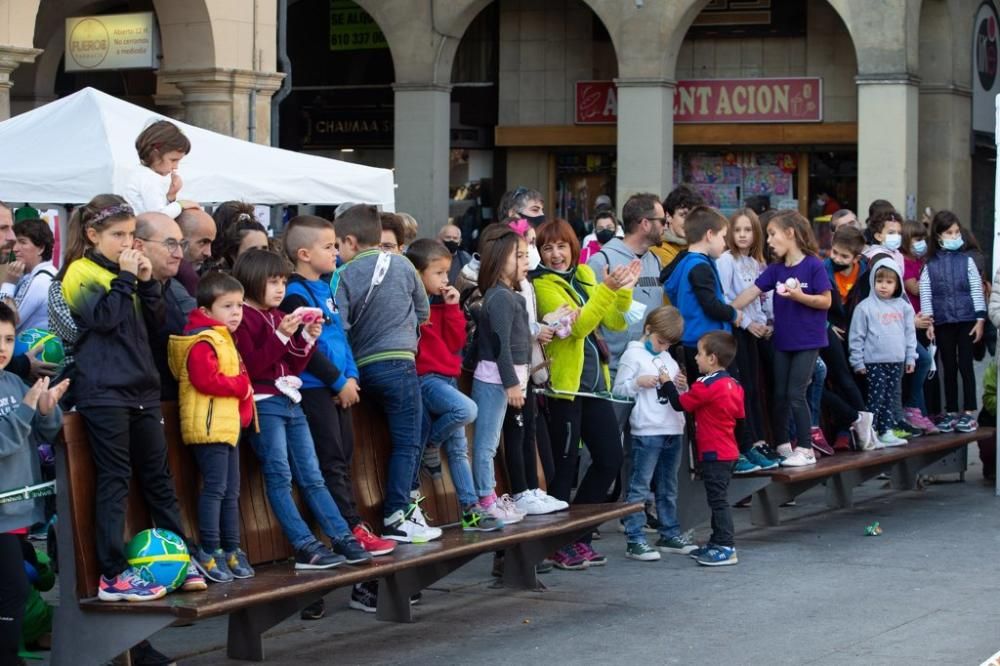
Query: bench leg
{"x": 764, "y": 507}
{"x": 840, "y": 489}
{"x": 394, "y": 591}
{"x": 74, "y": 631}
{"x": 247, "y": 625}
{"x": 519, "y": 561}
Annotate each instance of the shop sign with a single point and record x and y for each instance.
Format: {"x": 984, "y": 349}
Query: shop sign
{"x": 347, "y": 128}
{"x": 777, "y": 100}
{"x": 353, "y": 29}
{"x": 985, "y": 78}
{"x": 115, "y": 41}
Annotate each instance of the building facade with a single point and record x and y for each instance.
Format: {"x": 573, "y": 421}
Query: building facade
{"x": 780, "y": 98}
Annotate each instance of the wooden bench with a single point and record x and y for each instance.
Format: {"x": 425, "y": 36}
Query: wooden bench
{"x": 847, "y": 470}
{"x": 90, "y": 631}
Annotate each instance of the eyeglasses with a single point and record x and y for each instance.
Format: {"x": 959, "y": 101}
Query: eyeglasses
{"x": 388, "y": 247}
{"x": 657, "y": 219}
{"x": 172, "y": 244}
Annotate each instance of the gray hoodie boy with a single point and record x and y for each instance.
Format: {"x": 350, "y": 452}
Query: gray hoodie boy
{"x": 646, "y": 295}
{"x": 18, "y": 457}
{"x": 882, "y": 329}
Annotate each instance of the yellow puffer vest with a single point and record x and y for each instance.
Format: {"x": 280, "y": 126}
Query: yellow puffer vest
{"x": 206, "y": 419}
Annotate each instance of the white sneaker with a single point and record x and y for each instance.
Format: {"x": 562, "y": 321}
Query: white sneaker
{"x": 863, "y": 430}
{"x": 800, "y": 458}
{"x": 500, "y": 511}
{"x": 888, "y": 438}
{"x": 530, "y": 504}
{"x": 508, "y": 503}
{"x": 402, "y": 528}
{"x": 784, "y": 450}
{"x": 557, "y": 504}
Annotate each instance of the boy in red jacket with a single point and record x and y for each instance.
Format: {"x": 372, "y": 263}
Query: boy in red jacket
{"x": 716, "y": 400}
{"x": 446, "y": 409}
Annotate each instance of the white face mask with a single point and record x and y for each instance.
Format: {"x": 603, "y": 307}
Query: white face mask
{"x": 892, "y": 241}
{"x": 533, "y": 258}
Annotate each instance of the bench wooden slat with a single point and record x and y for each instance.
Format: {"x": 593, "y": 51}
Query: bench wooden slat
{"x": 279, "y": 581}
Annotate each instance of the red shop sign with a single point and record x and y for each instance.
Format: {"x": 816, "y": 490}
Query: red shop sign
{"x": 777, "y": 100}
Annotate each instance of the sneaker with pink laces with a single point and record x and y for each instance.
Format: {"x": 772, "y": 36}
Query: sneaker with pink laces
{"x": 500, "y": 511}
{"x": 594, "y": 559}
{"x": 568, "y": 559}
{"x": 510, "y": 505}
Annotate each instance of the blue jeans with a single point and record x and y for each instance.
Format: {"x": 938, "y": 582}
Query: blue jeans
{"x": 393, "y": 384}
{"x": 914, "y": 383}
{"x": 492, "y": 402}
{"x": 219, "y": 500}
{"x": 285, "y": 450}
{"x": 446, "y": 413}
{"x": 659, "y": 457}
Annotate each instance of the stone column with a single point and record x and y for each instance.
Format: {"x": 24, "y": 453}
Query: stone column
{"x": 945, "y": 169}
{"x": 422, "y": 138}
{"x": 219, "y": 99}
{"x": 887, "y": 138}
{"x": 645, "y": 137}
{"x": 10, "y": 58}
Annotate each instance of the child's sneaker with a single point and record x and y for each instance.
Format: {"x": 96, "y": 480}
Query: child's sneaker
{"x": 863, "y": 429}
{"x": 890, "y": 438}
{"x": 477, "y": 519}
{"x": 504, "y": 512}
{"x": 679, "y": 545}
{"x": 351, "y": 549}
{"x": 508, "y": 503}
{"x": 966, "y": 423}
{"x": 556, "y": 503}
{"x": 315, "y": 556}
{"x": 946, "y": 422}
{"x": 403, "y": 527}
{"x": 800, "y": 458}
{"x": 843, "y": 441}
{"x": 567, "y": 558}
{"x": 641, "y": 551}
{"x": 364, "y": 597}
{"x": 128, "y": 586}
{"x": 371, "y": 542}
{"x": 699, "y": 551}
{"x": 193, "y": 581}
{"x": 212, "y": 566}
{"x": 744, "y": 466}
{"x": 239, "y": 564}
{"x": 819, "y": 442}
{"x": 916, "y": 418}
{"x": 906, "y": 430}
{"x": 531, "y": 505}
{"x": 718, "y": 556}
{"x": 594, "y": 559}
{"x": 785, "y": 451}
{"x": 757, "y": 457}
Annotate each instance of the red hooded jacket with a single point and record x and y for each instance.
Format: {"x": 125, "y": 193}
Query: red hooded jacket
{"x": 716, "y": 400}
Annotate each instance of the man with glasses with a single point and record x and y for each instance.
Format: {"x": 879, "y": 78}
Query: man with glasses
{"x": 159, "y": 237}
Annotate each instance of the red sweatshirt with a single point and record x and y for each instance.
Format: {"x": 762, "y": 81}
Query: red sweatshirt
{"x": 716, "y": 401}
{"x": 203, "y": 369}
{"x": 266, "y": 355}
{"x": 441, "y": 341}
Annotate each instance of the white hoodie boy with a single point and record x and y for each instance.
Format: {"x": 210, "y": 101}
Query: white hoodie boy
{"x": 649, "y": 417}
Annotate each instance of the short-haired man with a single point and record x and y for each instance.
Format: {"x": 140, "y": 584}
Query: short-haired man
{"x": 199, "y": 231}
{"x": 678, "y": 203}
{"x": 451, "y": 236}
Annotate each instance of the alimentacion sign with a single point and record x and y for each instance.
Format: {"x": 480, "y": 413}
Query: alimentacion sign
{"x": 115, "y": 41}
{"x": 760, "y": 100}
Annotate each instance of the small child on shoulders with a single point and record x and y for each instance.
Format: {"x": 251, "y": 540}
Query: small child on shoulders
{"x": 716, "y": 400}
{"x": 657, "y": 434}
{"x": 216, "y": 402}
{"x": 154, "y": 186}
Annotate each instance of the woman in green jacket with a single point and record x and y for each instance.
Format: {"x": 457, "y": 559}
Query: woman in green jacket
{"x": 579, "y": 372}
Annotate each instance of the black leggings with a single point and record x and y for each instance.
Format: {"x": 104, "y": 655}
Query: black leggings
{"x": 793, "y": 372}
{"x": 748, "y": 362}
{"x": 955, "y": 352}
{"x": 519, "y": 446}
{"x": 13, "y": 596}
{"x": 839, "y": 376}
{"x": 594, "y": 419}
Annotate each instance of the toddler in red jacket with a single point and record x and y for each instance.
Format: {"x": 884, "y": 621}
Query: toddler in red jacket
{"x": 716, "y": 401}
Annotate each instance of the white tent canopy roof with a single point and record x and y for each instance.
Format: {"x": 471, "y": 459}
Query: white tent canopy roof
{"x": 82, "y": 145}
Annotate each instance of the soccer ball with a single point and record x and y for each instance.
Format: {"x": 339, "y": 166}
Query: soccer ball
{"x": 160, "y": 556}
{"x": 52, "y": 346}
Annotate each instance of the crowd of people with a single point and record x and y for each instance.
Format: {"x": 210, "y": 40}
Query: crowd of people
{"x": 672, "y": 324}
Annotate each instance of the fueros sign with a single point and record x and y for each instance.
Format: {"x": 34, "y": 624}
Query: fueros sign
{"x": 115, "y": 41}
{"x": 778, "y": 100}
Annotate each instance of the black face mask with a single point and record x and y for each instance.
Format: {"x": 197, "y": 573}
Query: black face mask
{"x": 604, "y": 235}
{"x": 452, "y": 245}
{"x": 533, "y": 220}
{"x": 838, "y": 266}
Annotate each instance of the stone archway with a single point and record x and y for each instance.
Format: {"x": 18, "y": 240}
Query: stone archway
{"x": 16, "y": 45}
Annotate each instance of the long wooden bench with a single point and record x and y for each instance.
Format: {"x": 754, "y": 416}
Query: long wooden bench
{"x": 847, "y": 470}
{"x": 90, "y": 631}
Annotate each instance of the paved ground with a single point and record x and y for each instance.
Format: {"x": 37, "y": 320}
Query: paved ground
{"x": 813, "y": 591}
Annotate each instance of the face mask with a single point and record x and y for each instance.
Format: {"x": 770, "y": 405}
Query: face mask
{"x": 533, "y": 257}
{"x": 534, "y": 221}
{"x": 452, "y": 246}
{"x": 952, "y": 243}
{"x": 919, "y": 248}
{"x": 649, "y": 347}
{"x": 893, "y": 241}
{"x": 604, "y": 235}
{"x": 838, "y": 267}
{"x": 635, "y": 314}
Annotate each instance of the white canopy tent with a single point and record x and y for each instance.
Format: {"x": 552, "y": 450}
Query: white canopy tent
{"x": 69, "y": 150}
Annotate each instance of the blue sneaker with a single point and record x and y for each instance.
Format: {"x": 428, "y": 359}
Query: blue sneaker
{"x": 755, "y": 456}
{"x": 697, "y": 552}
{"x": 744, "y": 466}
{"x": 718, "y": 556}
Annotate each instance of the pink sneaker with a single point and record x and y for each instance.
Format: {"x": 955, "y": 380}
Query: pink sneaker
{"x": 594, "y": 559}
{"x": 918, "y": 420}
{"x": 819, "y": 442}
{"x": 569, "y": 559}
